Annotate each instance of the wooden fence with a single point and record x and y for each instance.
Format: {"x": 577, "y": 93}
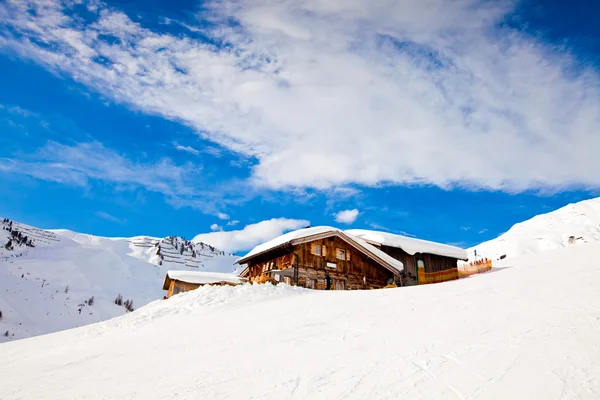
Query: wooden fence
{"x": 436, "y": 277}
{"x": 475, "y": 267}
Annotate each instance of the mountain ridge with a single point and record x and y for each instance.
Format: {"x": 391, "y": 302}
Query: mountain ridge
{"x": 47, "y": 286}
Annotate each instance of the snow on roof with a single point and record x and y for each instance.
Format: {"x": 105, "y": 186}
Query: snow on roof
{"x": 286, "y": 238}
{"x": 408, "y": 244}
{"x": 317, "y": 230}
{"x": 203, "y": 278}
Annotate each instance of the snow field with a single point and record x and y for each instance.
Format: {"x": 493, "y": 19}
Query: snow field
{"x": 527, "y": 329}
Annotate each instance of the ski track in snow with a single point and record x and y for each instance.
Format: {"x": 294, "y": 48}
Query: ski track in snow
{"x": 527, "y": 329}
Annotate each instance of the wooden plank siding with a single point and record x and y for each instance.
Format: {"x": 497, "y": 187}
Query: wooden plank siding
{"x": 179, "y": 287}
{"x": 357, "y": 271}
{"x": 434, "y": 265}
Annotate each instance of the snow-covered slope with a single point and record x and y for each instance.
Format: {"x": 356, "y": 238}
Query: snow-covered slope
{"x": 517, "y": 332}
{"x": 170, "y": 252}
{"x": 570, "y": 225}
{"x": 43, "y": 288}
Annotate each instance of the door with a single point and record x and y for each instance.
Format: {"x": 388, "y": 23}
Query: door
{"x": 420, "y": 269}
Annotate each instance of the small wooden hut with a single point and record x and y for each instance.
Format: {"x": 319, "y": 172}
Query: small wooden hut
{"x": 183, "y": 281}
{"x": 424, "y": 261}
{"x": 321, "y": 258}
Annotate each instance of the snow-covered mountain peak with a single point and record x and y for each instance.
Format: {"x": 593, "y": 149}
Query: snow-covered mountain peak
{"x": 174, "y": 251}
{"x": 570, "y": 225}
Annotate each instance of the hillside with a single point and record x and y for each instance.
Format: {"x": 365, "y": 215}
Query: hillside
{"x": 44, "y": 287}
{"x": 571, "y": 225}
{"x": 516, "y": 332}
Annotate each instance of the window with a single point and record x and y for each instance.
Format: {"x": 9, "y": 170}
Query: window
{"x": 316, "y": 249}
{"x": 310, "y": 283}
{"x": 340, "y": 254}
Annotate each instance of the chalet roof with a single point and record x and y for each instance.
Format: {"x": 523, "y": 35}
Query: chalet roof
{"x": 317, "y": 232}
{"x": 408, "y": 244}
{"x": 201, "y": 277}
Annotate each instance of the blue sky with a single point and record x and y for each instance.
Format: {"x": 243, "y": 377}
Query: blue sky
{"x": 449, "y": 123}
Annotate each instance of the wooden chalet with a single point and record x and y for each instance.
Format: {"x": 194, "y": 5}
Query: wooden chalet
{"x": 183, "y": 281}
{"x": 321, "y": 258}
{"x": 424, "y": 262}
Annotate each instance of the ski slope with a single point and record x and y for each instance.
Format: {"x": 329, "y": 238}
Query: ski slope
{"x": 527, "y": 329}
{"x": 573, "y": 224}
{"x": 43, "y": 288}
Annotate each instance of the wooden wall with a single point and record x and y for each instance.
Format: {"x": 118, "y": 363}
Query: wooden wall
{"x": 433, "y": 263}
{"x": 179, "y": 287}
{"x": 359, "y": 272}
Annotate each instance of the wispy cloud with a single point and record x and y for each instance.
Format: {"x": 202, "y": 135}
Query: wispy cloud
{"x": 187, "y": 149}
{"x": 223, "y": 216}
{"x": 326, "y": 94}
{"x": 83, "y": 163}
{"x": 109, "y": 217}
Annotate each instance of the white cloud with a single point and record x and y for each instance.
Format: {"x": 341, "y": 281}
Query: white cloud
{"x": 222, "y": 216}
{"x": 233, "y": 222}
{"x": 251, "y": 235}
{"x": 330, "y": 93}
{"x": 187, "y": 149}
{"x": 346, "y": 216}
{"x": 109, "y": 217}
{"x": 216, "y": 227}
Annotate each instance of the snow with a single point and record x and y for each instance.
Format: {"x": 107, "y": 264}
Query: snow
{"x": 316, "y": 230}
{"x": 553, "y": 230}
{"x": 204, "y": 278}
{"x": 408, "y": 244}
{"x": 176, "y": 251}
{"x": 34, "y": 299}
{"x": 286, "y": 238}
{"x": 527, "y": 329}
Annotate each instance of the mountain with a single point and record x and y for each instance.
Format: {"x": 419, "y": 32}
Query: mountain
{"x": 516, "y": 332}
{"x": 571, "y": 225}
{"x": 47, "y": 278}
